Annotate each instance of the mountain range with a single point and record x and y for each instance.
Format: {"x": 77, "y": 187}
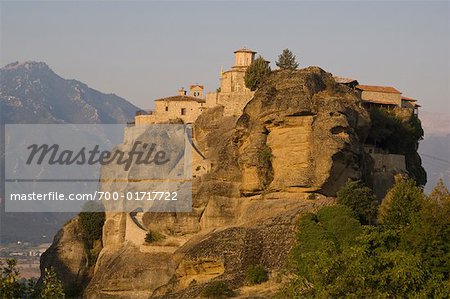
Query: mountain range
{"x": 434, "y": 149}
{"x": 32, "y": 93}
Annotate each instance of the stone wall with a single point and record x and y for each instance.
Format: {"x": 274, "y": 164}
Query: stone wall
{"x": 386, "y": 166}
{"x": 234, "y": 102}
{"x": 233, "y": 81}
{"x": 167, "y": 110}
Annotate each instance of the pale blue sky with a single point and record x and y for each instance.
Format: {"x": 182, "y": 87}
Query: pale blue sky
{"x": 144, "y": 50}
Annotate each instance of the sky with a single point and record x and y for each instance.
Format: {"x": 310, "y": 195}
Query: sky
{"x": 144, "y": 50}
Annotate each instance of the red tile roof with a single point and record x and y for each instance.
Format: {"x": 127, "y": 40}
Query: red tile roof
{"x": 244, "y": 50}
{"x": 344, "y": 80}
{"x": 182, "y": 99}
{"x": 385, "y": 89}
{"x": 408, "y": 99}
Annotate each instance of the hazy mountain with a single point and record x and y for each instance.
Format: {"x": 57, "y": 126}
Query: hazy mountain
{"x": 30, "y": 92}
{"x": 435, "y": 148}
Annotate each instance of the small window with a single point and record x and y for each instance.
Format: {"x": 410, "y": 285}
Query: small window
{"x": 167, "y": 108}
{"x": 183, "y": 111}
{"x": 196, "y": 94}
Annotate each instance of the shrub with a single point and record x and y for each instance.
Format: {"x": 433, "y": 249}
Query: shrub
{"x": 256, "y": 274}
{"x": 51, "y": 286}
{"x": 153, "y": 236}
{"x": 256, "y": 73}
{"x": 217, "y": 289}
{"x": 91, "y": 221}
{"x": 337, "y": 259}
{"x": 360, "y": 199}
{"x": 401, "y": 204}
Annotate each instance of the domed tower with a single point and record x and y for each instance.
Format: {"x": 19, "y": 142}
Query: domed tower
{"x": 243, "y": 57}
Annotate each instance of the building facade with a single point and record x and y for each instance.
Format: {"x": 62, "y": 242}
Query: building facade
{"x": 232, "y": 95}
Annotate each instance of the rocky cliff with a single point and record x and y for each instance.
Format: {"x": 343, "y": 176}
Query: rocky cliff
{"x": 296, "y": 143}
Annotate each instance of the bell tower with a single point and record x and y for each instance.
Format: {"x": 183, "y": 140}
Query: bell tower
{"x": 243, "y": 57}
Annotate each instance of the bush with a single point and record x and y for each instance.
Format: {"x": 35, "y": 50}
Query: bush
{"x": 217, "y": 289}
{"x": 256, "y": 73}
{"x": 360, "y": 199}
{"x": 256, "y": 274}
{"x": 91, "y": 221}
{"x": 153, "y": 236}
{"x": 401, "y": 204}
{"x": 51, "y": 286}
{"x": 91, "y": 224}
{"x": 331, "y": 261}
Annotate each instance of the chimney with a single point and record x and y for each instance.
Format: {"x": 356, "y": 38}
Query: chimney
{"x": 196, "y": 90}
{"x": 181, "y": 91}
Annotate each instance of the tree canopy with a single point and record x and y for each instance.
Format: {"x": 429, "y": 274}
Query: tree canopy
{"x": 360, "y": 199}
{"x": 286, "y": 60}
{"x": 336, "y": 257}
{"x": 256, "y": 73}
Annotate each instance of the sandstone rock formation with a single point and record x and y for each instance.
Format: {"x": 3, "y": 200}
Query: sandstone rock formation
{"x": 297, "y": 141}
{"x": 67, "y": 256}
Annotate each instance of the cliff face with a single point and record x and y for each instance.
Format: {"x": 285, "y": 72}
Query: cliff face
{"x": 296, "y": 143}
{"x": 67, "y": 256}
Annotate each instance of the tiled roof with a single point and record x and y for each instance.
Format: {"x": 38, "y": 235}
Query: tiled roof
{"x": 244, "y": 50}
{"x": 408, "y": 99}
{"x": 385, "y": 89}
{"x": 344, "y": 80}
{"x": 194, "y": 85}
{"x": 182, "y": 99}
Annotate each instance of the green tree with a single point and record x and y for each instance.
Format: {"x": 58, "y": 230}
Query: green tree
{"x": 324, "y": 234}
{"x": 256, "y": 73}
{"x": 359, "y": 198}
{"x": 9, "y": 282}
{"x": 429, "y": 232}
{"x": 91, "y": 221}
{"x": 401, "y": 204}
{"x": 336, "y": 257}
{"x": 286, "y": 60}
{"x": 51, "y": 286}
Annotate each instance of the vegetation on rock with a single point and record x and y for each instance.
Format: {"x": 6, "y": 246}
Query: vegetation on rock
{"x": 286, "y": 60}
{"x": 91, "y": 221}
{"x": 256, "y": 274}
{"x": 336, "y": 256}
{"x": 152, "y": 236}
{"x": 391, "y": 132}
{"x": 265, "y": 170}
{"x": 217, "y": 289}
{"x": 256, "y": 73}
